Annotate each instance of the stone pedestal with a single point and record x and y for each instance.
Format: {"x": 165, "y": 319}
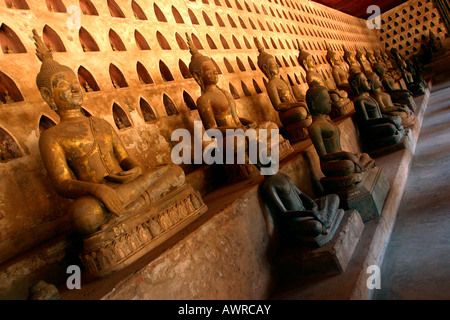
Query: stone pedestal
{"x": 367, "y": 197}
{"x": 340, "y": 112}
{"x": 334, "y": 257}
{"x": 127, "y": 240}
{"x": 402, "y": 144}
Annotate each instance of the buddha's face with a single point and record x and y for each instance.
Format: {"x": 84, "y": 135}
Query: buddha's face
{"x": 272, "y": 67}
{"x": 335, "y": 61}
{"x": 209, "y": 73}
{"x": 372, "y": 58}
{"x": 310, "y": 63}
{"x": 322, "y": 103}
{"x": 375, "y": 82}
{"x": 351, "y": 59}
{"x": 66, "y": 91}
{"x": 364, "y": 85}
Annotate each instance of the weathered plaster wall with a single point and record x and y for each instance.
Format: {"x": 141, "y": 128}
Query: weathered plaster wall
{"x": 30, "y": 211}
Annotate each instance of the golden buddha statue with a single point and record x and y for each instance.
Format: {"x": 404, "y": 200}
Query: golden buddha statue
{"x": 217, "y": 107}
{"x": 371, "y": 57}
{"x": 293, "y": 112}
{"x": 354, "y": 66}
{"x": 340, "y": 75}
{"x": 362, "y": 59}
{"x": 341, "y": 103}
{"x": 116, "y": 199}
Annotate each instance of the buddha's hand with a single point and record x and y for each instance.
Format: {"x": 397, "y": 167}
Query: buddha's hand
{"x": 248, "y": 123}
{"x": 110, "y": 199}
{"x": 125, "y": 176}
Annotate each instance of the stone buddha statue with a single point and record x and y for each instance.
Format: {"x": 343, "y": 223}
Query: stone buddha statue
{"x": 390, "y": 66}
{"x": 385, "y": 103}
{"x": 377, "y": 131}
{"x": 354, "y": 177}
{"x": 353, "y": 64}
{"x": 217, "y": 107}
{"x": 398, "y": 95}
{"x": 416, "y": 87}
{"x": 293, "y": 113}
{"x": 341, "y": 169}
{"x": 340, "y": 75}
{"x": 435, "y": 46}
{"x": 362, "y": 59}
{"x": 116, "y": 199}
{"x": 305, "y": 220}
{"x": 341, "y": 104}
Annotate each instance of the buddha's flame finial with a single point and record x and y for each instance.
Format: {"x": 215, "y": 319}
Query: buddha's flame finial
{"x": 42, "y": 51}
{"x": 192, "y": 48}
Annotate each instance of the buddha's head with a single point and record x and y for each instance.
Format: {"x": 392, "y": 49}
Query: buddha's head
{"x": 374, "y": 80}
{"x": 371, "y": 57}
{"x": 202, "y": 68}
{"x": 306, "y": 60}
{"x": 360, "y": 56}
{"x": 266, "y": 62}
{"x": 377, "y": 54}
{"x": 58, "y": 84}
{"x": 379, "y": 68}
{"x": 349, "y": 57}
{"x": 318, "y": 99}
{"x": 359, "y": 83}
{"x": 332, "y": 57}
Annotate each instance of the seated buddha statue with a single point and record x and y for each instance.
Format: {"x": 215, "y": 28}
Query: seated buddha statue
{"x": 417, "y": 88}
{"x": 398, "y": 95}
{"x": 391, "y": 67}
{"x": 362, "y": 59}
{"x": 341, "y": 169}
{"x": 435, "y": 46}
{"x": 87, "y": 161}
{"x": 341, "y": 103}
{"x": 377, "y": 131}
{"x": 371, "y": 57}
{"x": 353, "y": 64}
{"x": 217, "y": 107}
{"x": 304, "y": 219}
{"x": 340, "y": 75}
{"x": 385, "y": 103}
{"x": 293, "y": 113}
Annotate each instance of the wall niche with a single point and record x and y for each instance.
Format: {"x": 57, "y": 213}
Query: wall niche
{"x": 9, "y": 92}
{"x": 87, "y": 81}
{"x": 17, "y": 4}
{"x": 120, "y": 117}
{"x": 45, "y": 123}
{"x": 147, "y": 111}
{"x": 52, "y": 40}
{"x": 117, "y": 78}
{"x": 9, "y": 41}
{"x": 8, "y": 147}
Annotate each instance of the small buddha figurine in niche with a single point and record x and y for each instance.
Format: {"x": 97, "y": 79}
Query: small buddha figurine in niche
{"x": 385, "y": 103}
{"x": 362, "y": 59}
{"x": 341, "y": 169}
{"x": 398, "y": 95}
{"x": 308, "y": 221}
{"x": 217, "y": 107}
{"x": 341, "y": 103}
{"x": 87, "y": 161}
{"x": 340, "y": 75}
{"x": 293, "y": 113}
{"x": 353, "y": 64}
{"x": 377, "y": 131}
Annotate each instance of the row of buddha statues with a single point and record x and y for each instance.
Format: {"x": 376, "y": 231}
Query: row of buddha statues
{"x": 123, "y": 208}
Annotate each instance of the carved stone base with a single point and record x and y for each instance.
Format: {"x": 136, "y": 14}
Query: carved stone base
{"x": 389, "y": 149}
{"x": 298, "y": 131}
{"x": 124, "y": 242}
{"x": 285, "y": 148}
{"x": 342, "y": 111}
{"x": 367, "y": 197}
{"x": 334, "y": 257}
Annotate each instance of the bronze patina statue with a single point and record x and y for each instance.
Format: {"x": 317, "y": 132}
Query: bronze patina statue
{"x": 341, "y": 103}
{"x": 340, "y": 75}
{"x": 377, "y": 131}
{"x": 341, "y": 168}
{"x": 217, "y": 107}
{"x": 354, "y": 177}
{"x": 398, "y": 95}
{"x": 390, "y": 66}
{"x": 120, "y": 206}
{"x": 293, "y": 113}
{"x": 407, "y": 69}
{"x": 385, "y": 103}
{"x": 305, "y": 220}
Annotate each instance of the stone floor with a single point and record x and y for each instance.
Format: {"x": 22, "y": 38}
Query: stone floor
{"x": 417, "y": 264}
